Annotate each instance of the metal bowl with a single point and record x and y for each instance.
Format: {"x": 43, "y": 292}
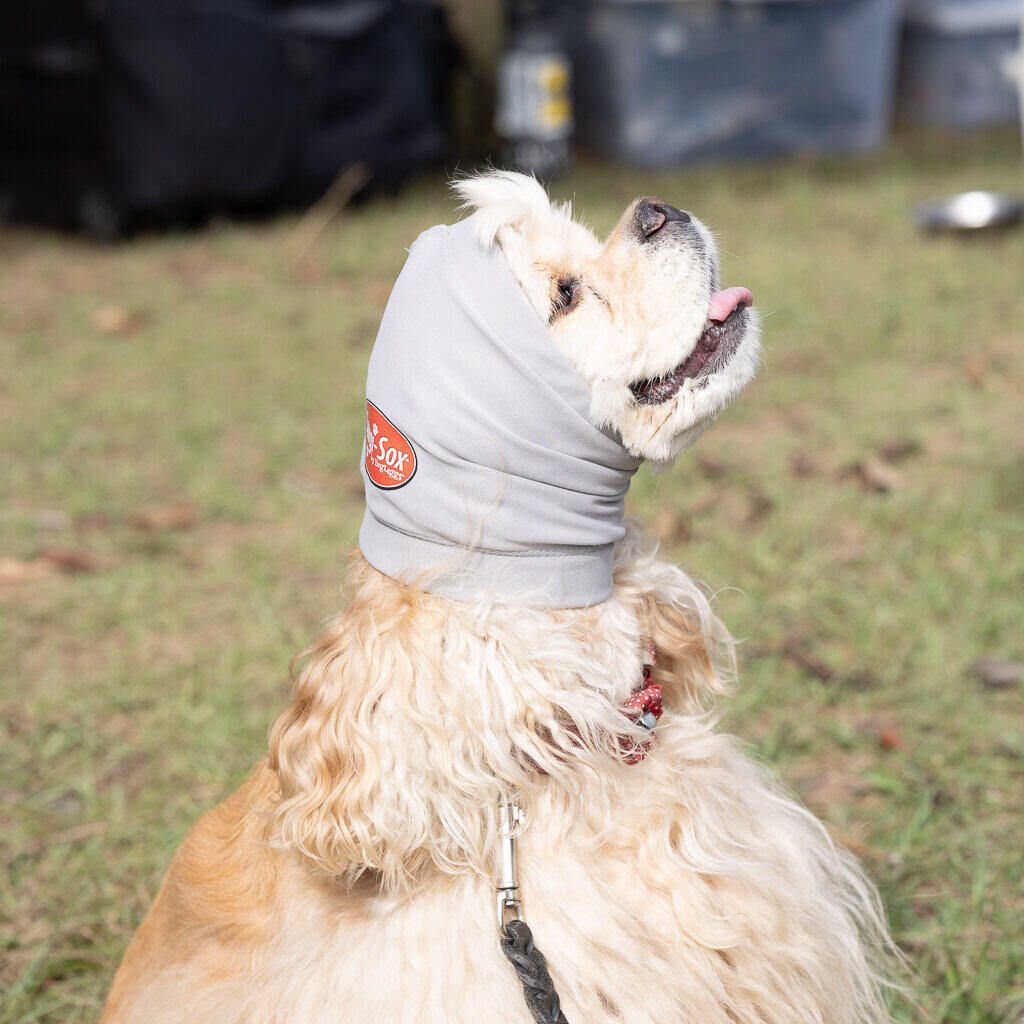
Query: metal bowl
{"x": 970, "y": 211}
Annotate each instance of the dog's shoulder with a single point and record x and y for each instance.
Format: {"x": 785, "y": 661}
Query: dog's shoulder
{"x": 219, "y": 895}
{"x": 225, "y": 874}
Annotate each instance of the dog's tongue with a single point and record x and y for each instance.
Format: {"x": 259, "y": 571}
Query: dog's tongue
{"x": 724, "y": 302}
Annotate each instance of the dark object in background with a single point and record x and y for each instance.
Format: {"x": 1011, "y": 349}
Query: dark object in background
{"x": 956, "y": 55}
{"x": 186, "y": 108}
{"x": 534, "y": 112}
{"x": 53, "y": 141}
{"x": 658, "y": 82}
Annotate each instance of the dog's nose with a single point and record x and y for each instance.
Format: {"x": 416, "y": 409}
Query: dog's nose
{"x": 652, "y": 215}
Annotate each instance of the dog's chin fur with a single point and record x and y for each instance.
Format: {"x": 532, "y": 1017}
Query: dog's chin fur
{"x": 354, "y": 879}
{"x": 640, "y": 311}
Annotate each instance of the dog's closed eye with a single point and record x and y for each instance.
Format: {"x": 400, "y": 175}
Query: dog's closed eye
{"x": 566, "y": 296}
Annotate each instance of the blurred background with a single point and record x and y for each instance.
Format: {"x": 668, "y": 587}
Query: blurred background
{"x": 203, "y": 207}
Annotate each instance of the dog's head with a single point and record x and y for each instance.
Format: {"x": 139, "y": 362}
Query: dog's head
{"x": 640, "y": 315}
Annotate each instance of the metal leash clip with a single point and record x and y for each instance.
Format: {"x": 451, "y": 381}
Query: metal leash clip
{"x": 510, "y": 903}
{"x": 516, "y": 937}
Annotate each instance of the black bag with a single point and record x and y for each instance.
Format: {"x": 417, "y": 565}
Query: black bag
{"x": 53, "y": 142}
{"x": 175, "y": 109}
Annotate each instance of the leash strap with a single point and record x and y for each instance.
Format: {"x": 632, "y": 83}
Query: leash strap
{"x": 532, "y": 969}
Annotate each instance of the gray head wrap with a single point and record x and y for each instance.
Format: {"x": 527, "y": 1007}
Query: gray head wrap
{"x": 484, "y": 477}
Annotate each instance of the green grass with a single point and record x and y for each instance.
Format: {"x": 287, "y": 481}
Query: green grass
{"x": 137, "y": 694}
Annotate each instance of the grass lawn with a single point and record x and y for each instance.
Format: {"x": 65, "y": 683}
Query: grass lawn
{"x": 182, "y": 418}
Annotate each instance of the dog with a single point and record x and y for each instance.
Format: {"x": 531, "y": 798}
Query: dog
{"x": 664, "y": 873}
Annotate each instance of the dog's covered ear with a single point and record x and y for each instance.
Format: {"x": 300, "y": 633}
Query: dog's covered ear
{"x": 503, "y": 201}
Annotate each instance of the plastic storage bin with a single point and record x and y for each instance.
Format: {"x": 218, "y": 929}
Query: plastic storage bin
{"x": 956, "y": 62}
{"x": 660, "y": 82}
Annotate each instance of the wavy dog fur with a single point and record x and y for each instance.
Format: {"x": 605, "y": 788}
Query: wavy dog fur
{"x": 352, "y": 880}
{"x": 414, "y": 714}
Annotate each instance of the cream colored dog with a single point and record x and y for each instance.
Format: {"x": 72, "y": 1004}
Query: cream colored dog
{"x": 352, "y": 877}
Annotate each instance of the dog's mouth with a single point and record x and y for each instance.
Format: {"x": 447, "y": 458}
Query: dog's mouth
{"x": 726, "y": 327}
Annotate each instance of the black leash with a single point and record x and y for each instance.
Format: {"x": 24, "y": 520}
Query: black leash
{"x": 532, "y": 968}
{"x": 516, "y": 937}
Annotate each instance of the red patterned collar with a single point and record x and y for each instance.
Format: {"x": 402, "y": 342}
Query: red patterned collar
{"x": 643, "y": 708}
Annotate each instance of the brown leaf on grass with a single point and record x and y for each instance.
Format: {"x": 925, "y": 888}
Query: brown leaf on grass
{"x": 759, "y": 508}
{"x": 117, "y": 320}
{"x": 712, "y": 468}
{"x": 14, "y": 570}
{"x": 797, "y": 652}
{"x": 803, "y": 465}
{"x": 890, "y": 738}
{"x": 997, "y": 674}
{"x": 670, "y": 526}
{"x": 360, "y": 336}
{"x": 874, "y": 475}
{"x": 166, "y": 518}
{"x": 861, "y": 679}
{"x": 899, "y": 449}
{"x": 51, "y": 560}
{"x": 70, "y": 560}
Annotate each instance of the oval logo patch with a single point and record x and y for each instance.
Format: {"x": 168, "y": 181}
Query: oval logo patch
{"x": 390, "y": 456}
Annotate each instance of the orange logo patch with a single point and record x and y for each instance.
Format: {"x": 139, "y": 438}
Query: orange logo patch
{"x": 390, "y": 456}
